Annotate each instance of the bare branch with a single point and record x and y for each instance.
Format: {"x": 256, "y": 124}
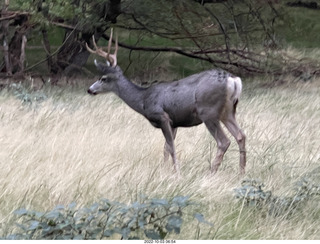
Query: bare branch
{"x": 12, "y": 15}
{"x": 198, "y": 55}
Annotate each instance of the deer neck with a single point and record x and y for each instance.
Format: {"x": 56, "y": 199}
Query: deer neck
{"x": 130, "y": 93}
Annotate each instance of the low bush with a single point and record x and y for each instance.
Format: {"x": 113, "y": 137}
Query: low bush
{"x": 26, "y": 95}
{"x": 251, "y": 193}
{"x": 148, "y": 219}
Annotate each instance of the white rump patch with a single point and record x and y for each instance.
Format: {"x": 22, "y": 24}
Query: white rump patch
{"x": 234, "y": 88}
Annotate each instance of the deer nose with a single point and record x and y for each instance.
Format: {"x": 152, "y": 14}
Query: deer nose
{"x": 91, "y": 92}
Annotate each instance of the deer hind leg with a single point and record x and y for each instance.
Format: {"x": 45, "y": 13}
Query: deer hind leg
{"x": 169, "y": 134}
{"x": 232, "y": 125}
{"x": 222, "y": 142}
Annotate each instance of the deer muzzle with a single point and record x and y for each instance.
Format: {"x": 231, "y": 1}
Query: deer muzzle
{"x": 91, "y": 92}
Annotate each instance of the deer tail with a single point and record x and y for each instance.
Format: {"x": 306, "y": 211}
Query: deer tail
{"x": 234, "y": 90}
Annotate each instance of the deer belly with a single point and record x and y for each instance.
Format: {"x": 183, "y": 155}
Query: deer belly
{"x": 185, "y": 118}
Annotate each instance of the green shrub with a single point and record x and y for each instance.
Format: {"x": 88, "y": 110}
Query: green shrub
{"x": 152, "y": 219}
{"x": 252, "y": 194}
{"x": 27, "y": 96}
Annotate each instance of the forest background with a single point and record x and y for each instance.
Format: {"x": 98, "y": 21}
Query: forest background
{"x": 62, "y": 150}
{"x": 47, "y": 38}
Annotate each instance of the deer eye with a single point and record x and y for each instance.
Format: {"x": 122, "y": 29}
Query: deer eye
{"x": 104, "y": 78}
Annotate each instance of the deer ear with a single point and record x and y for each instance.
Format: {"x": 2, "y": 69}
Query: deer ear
{"x": 101, "y": 66}
{"x": 98, "y": 64}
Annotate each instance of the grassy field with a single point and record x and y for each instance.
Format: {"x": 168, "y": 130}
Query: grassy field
{"x": 75, "y": 147}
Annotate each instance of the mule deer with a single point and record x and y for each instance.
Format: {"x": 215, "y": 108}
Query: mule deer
{"x": 207, "y": 97}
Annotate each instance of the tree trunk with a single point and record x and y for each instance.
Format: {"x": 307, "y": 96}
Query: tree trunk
{"x": 4, "y": 29}
{"x": 23, "y": 53}
{"x": 13, "y": 50}
{"x": 17, "y": 50}
{"x": 73, "y": 54}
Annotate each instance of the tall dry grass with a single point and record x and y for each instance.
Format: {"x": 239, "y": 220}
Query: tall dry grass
{"x": 75, "y": 147}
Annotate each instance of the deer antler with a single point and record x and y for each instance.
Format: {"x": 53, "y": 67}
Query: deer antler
{"x": 112, "y": 58}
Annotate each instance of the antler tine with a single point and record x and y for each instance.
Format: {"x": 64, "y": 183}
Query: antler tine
{"x": 97, "y": 50}
{"x": 110, "y": 40}
{"x": 115, "y": 52}
{"x": 90, "y": 50}
{"x": 94, "y": 43}
{"x": 112, "y": 58}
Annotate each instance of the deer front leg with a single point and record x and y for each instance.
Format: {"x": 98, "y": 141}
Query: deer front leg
{"x": 169, "y": 134}
{"x": 166, "y": 146}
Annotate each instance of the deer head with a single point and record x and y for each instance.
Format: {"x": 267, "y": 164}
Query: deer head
{"x": 110, "y": 70}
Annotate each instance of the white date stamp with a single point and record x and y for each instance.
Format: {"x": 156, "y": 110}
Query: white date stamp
{"x": 159, "y": 241}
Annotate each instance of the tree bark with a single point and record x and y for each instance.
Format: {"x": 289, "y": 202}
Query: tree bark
{"x": 23, "y": 53}
{"x": 14, "y": 48}
{"x": 17, "y": 49}
{"x": 4, "y": 27}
